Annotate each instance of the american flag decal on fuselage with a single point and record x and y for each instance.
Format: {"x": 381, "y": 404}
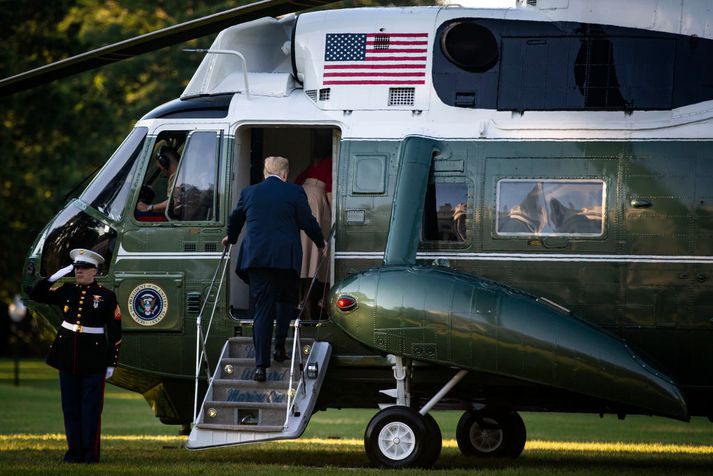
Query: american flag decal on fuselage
{"x": 375, "y": 58}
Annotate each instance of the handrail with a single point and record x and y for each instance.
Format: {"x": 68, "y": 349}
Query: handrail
{"x": 201, "y": 340}
{"x": 296, "y": 345}
{"x": 227, "y": 52}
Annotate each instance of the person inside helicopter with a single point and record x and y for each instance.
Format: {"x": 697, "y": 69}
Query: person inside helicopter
{"x": 167, "y": 160}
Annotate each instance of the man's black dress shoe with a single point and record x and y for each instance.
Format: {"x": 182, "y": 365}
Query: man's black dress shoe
{"x": 280, "y": 356}
{"x": 260, "y": 375}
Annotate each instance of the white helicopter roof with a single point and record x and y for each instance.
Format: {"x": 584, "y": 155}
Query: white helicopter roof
{"x": 265, "y": 45}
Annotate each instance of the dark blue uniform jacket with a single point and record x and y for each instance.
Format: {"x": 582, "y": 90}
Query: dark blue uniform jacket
{"x": 275, "y": 212}
{"x": 87, "y": 305}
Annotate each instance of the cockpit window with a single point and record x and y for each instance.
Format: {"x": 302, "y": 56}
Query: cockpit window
{"x": 180, "y": 182}
{"x": 75, "y": 229}
{"x": 109, "y": 190}
{"x": 550, "y": 207}
{"x": 193, "y": 197}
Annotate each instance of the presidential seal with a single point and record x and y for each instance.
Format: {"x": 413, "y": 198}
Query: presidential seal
{"x": 147, "y": 304}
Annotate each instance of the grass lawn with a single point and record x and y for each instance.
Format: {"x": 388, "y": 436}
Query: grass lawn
{"x": 32, "y": 441}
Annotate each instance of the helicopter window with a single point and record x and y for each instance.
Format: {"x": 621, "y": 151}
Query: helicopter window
{"x": 446, "y": 212}
{"x": 109, "y": 191}
{"x": 155, "y": 189}
{"x": 193, "y": 197}
{"x": 550, "y": 207}
{"x": 518, "y": 65}
{"x": 470, "y": 46}
{"x": 369, "y": 174}
{"x": 75, "y": 229}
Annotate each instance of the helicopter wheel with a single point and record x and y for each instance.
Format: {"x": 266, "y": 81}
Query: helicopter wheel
{"x": 435, "y": 441}
{"x": 498, "y": 434}
{"x": 400, "y": 437}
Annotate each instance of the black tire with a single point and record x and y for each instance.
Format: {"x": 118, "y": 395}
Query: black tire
{"x": 491, "y": 434}
{"x": 434, "y": 442}
{"x": 398, "y": 437}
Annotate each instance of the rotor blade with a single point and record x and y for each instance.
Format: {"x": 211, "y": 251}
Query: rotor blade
{"x": 152, "y": 41}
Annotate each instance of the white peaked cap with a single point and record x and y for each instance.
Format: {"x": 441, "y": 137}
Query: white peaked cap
{"x": 80, "y": 255}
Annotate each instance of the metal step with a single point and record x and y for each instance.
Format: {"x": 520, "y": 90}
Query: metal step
{"x": 248, "y": 405}
{"x": 236, "y": 409}
{"x": 242, "y": 369}
{"x": 253, "y": 414}
{"x": 247, "y": 428}
{"x": 242, "y": 347}
{"x": 235, "y": 392}
{"x": 250, "y": 385}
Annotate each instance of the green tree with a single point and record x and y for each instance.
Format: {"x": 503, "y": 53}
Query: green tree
{"x": 54, "y": 135}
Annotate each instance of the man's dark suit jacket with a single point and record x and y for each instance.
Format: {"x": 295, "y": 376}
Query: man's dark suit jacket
{"x": 275, "y": 212}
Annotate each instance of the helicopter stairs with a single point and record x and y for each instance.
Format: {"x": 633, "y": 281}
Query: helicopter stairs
{"x": 238, "y": 410}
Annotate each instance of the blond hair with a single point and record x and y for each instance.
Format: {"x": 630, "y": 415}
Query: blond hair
{"x": 276, "y": 165}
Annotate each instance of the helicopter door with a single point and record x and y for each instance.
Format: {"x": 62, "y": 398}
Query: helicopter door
{"x": 303, "y": 147}
{"x": 170, "y": 249}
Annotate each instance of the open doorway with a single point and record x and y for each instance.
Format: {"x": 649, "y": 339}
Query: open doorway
{"x": 312, "y": 152}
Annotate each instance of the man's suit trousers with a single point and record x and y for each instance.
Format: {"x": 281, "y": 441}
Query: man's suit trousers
{"x": 275, "y": 294}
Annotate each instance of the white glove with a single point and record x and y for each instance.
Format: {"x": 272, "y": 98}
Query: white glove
{"x": 109, "y": 371}
{"x": 61, "y": 273}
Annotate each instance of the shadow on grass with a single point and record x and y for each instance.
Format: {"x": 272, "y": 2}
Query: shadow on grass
{"x": 172, "y": 458}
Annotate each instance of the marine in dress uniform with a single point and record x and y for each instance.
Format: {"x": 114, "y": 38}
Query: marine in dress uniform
{"x": 85, "y": 351}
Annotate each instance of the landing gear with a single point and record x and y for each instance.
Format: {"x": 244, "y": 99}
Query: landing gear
{"x": 400, "y": 437}
{"x": 491, "y": 433}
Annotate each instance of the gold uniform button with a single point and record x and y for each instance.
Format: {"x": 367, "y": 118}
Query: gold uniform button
{"x": 78, "y": 316}
{"x": 80, "y": 308}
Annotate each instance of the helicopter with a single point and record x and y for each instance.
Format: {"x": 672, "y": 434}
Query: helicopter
{"x": 522, "y": 220}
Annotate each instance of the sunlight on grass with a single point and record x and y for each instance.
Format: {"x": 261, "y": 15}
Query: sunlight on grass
{"x": 47, "y": 441}
{"x": 123, "y": 396}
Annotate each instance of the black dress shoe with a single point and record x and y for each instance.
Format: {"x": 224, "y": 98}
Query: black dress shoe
{"x": 260, "y": 375}
{"x": 280, "y": 356}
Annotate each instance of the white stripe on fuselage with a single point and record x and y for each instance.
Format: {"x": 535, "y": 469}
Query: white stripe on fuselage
{"x": 583, "y": 258}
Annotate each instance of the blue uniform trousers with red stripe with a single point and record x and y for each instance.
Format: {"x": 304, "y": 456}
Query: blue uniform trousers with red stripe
{"x": 82, "y": 404}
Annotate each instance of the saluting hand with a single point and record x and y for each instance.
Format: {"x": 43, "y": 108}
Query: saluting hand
{"x": 61, "y": 273}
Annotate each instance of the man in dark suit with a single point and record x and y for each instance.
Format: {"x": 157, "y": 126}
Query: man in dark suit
{"x": 270, "y": 256}
{"x": 85, "y": 351}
